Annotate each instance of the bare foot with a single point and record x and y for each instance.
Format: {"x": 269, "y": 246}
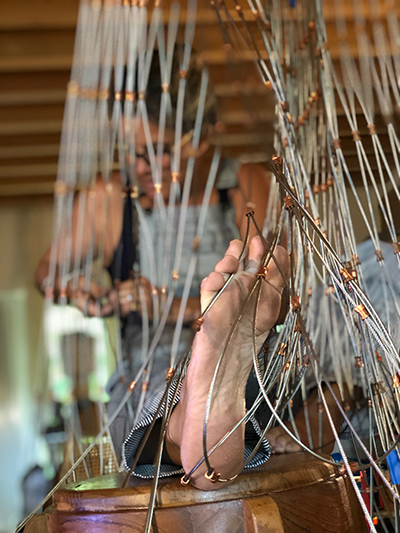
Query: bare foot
{"x": 185, "y": 431}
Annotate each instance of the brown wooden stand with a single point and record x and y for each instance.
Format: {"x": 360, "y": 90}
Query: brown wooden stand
{"x": 290, "y": 494}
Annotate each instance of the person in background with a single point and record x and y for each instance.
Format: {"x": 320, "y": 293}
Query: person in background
{"x": 125, "y": 254}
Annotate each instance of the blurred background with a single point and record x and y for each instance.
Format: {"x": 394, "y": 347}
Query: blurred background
{"x": 36, "y": 46}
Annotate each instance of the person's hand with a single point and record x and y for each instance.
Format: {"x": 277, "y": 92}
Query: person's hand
{"x": 130, "y": 295}
{"x": 281, "y": 442}
{"x": 92, "y": 299}
{"x": 138, "y": 295}
{"x": 134, "y": 295}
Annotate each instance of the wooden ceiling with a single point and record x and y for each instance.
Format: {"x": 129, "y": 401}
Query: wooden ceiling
{"x": 36, "y": 45}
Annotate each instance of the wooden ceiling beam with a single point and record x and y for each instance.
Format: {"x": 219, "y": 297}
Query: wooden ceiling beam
{"x": 29, "y": 128}
{"x": 24, "y": 152}
{"x": 32, "y": 97}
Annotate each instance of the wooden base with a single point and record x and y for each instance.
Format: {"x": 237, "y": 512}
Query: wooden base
{"x": 290, "y": 494}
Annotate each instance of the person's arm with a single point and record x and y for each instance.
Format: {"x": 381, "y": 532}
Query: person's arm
{"x": 101, "y": 226}
{"x": 251, "y": 194}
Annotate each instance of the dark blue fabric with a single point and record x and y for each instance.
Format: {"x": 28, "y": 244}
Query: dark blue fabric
{"x": 126, "y": 253}
{"x": 394, "y": 467}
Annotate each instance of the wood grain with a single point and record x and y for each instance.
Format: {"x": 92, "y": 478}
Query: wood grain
{"x": 289, "y": 494}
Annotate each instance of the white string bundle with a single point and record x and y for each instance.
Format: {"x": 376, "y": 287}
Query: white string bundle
{"x": 115, "y": 45}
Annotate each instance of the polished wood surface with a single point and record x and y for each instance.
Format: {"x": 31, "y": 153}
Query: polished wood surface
{"x": 289, "y": 494}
